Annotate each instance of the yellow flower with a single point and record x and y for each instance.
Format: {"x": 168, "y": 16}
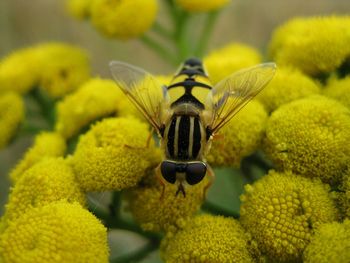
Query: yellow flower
{"x": 281, "y": 211}
{"x": 50, "y": 180}
{"x": 156, "y": 214}
{"x": 339, "y": 89}
{"x": 113, "y": 155}
{"x": 208, "y": 238}
{"x": 46, "y": 144}
{"x": 331, "y": 243}
{"x": 287, "y": 85}
{"x": 123, "y": 19}
{"x": 11, "y": 115}
{"x": 310, "y": 137}
{"x": 80, "y": 9}
{"x": 228, "y": 59}
{"x": 201, "y": 6}
{"x": 344, "y": 197}
{"x": 19, "y": 71}
{"x": 314, "y": 45}
{"x": 63, "y": 68}
{"x": 94, "y": 99}
{"x": 240, "y": 137}
{"x": 58, "y": 232}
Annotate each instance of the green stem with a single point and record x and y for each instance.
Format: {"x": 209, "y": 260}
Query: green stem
{"x": 162, "y": 31}
{"x": 47, "y": 106}
{"x": 181, "y": 36}
{"x": 217, "y": 210}
{"x": 206, "y": 33}
{"x": 158, "y": 48}
{"x": 137, "y": 255}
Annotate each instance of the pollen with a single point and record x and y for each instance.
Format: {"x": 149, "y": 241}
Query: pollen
{"x": 46, "y": 144}
{"x": 310, "y": 137}
{"x": 208, "y": 238}
{"x": 114, "y": 155}
{"x": 282, "y": 210}
{"x": 240, "y": 137}
{"x": 57, "y": 232}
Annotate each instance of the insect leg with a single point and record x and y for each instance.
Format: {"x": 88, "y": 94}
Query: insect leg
{"x": 211, "y": 176}
{"x": 160, "y": 179}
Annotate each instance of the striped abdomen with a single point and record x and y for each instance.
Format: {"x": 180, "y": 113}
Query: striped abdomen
{"x": 184, "y": 137}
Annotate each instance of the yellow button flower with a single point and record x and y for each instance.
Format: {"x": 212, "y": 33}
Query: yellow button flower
{"x": 287, "y": 85}
{"x": 228, "y": 59}
{"x": 208, "y": 238}
{"x": 80, "y": 9}
{"x": 113, "y": 155}
{"x": 19, "y": 71}
{"x": 94, "y": 99}
{"x": 63, "y": 68}
{"x": 240, "y": 137}
{"x": 50, "y": 180}
{"x": 281, "y": 211}
{"x": 344, "y": 195}
{"x": 201, "y": 6}
{"x": 331, "y": 243}
{"x": 339, "y": 89}
{"x": 314, "y": 45}
{"x": 58, "y": 232}
{"x": 11, "y": 115}
{"x": 156, "y": 214}
{"x": 123, "y": 19}
{"x": 310, "y": 137}
{"x": 46, "y": 144}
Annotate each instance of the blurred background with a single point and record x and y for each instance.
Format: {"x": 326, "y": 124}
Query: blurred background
{"x": 24, "y": 23}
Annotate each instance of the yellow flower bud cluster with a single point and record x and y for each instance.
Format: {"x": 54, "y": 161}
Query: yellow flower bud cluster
{"x": 55, "y": 67}
{"x": 339, "y": 89}
{"x": 117, "y": 18}
{"x": 57, "y": 232}
{"x": 331, "y": 243}
{"x": 314, "y": 45}
{"x": 311, "y": 137}
{"x": 282, "y": 210}
{"x": 201, "y": 6}
{"x": 11, "y": 115}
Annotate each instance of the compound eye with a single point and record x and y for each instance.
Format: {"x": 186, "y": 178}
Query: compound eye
{"x": 195, "y": 172}
{"x": 168, "y": 170}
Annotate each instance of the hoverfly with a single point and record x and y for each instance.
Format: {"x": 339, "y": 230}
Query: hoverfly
{"x": 189, "y": 112}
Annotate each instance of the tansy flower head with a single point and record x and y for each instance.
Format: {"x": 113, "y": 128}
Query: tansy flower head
{"x": 154, "y": 213}
{"x": 50, "y": 180}
{"x": 122, "y": 18}
{"x": 63, "y": 68}
{"x": 331, "y": 243}
{"x": 344, "y": 195}
{"x": 46, "y": 144}
{"x": 281, "y": 211}
{"x": 113, "y": 155}
{"x": 224, "y": 61}
{"x": 339, "y": 89}
{"x": 19, "y": 71}
{"x": 310, "y": 137}
{"x": 201, "y": 6}
{"x": 240, "y": 137}
{"x": 93, "y": 100}
{"x": 11, "y": 115}
{"x": 208, "y": 238}
{"x": 58, "y": 232}
{"x": 314, "y": 45}
{"x": 287, "y": 85}
{"x": 80, "y": 9}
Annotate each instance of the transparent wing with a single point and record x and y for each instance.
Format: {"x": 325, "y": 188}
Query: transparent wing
{"x": 144, "y": 90}
{"x": 230, "y": 95}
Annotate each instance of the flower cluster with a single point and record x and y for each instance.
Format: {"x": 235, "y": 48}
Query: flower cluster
{"x": 291, "y": 144}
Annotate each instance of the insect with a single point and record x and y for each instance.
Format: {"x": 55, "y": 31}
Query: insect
{"x": 189, "y": 112}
